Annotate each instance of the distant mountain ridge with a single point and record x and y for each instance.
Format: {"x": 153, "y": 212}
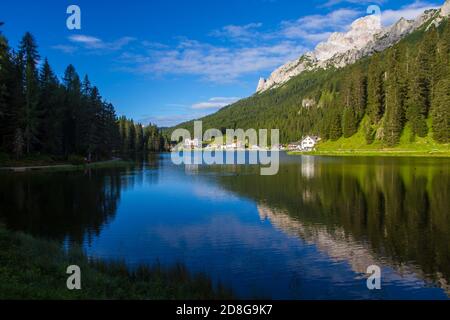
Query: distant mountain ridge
{"x": 390, "y": 90}
{"x": 365, "y": 37}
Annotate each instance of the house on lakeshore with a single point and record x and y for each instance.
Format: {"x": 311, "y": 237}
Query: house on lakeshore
{"x": 237, "y": 145}
{"x": 294, "y": 146}
{"x": 192, "y": 144}
{"x": 309, "y": 143}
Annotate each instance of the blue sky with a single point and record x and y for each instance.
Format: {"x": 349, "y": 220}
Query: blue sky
{"x": 168, "y": 61}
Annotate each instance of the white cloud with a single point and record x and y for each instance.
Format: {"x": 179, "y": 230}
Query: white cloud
{"x": 251, "y": 51}
{"x": 65, "y": 48}
{"x": 410, "y": 11}
{"x": 312, "y": 28}
{"x": 86, "y": 40}
{"x": 248, "y": 50}
{"x": 94, "y": 43}
{"x": 241, "y": 33}
{"x": 215, "y": 103}
{"x": 318, "y": 27}
{"x": 219, "y": 64}
{"x": 331, "y": 3}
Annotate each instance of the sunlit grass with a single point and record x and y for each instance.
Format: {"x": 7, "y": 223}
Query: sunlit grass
{"x": 31, "y": 268}
{"x": 357, "y": 145}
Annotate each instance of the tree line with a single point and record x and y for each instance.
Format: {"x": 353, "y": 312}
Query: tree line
{"x": 407, "y": 84}
{"x": 39, "y": 114}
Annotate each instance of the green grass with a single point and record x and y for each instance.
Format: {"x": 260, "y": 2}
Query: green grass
{"x": 48, "y": 163}
{"x": 31, "y": 268}
{"x": 31, "y": 160}
{"x": 356, "y": 145}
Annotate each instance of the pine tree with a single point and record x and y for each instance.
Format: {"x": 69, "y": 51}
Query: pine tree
{"x": 95, "y": 129}
{"x": 18, "y": 144}
{"x": 440, "y": 101}
{"x": 30, "y": 114}
{"x": 37, "y": 113}
{"x": 354, "y": 96}
{"x": 348, "y": 119}
{"x": 442, "y": 56}
{"x": 71, "y": 130}
{"x": 375, "y": 90}
{"x": 139, "y": 138}
{"x": 131, "y": 130}
{"x": 441, "y": 111}
{"x": 428, "y": 67}
{"x": 3, "y": 111}
{"x": 11, "y": 80}
{"x": 50, "y": 100}
{"x": 112, "y": 133}
{"x": 3, "y": 105}
{"x": 416, "y": 106}
{"x": 3, "y": 89}
{"x": 359, "y": 93}
{"x": 349, "y": 122}
{"x": 393, "y": 122}
{"x": 122, "y": 133}
{"x": 335, "y": 124}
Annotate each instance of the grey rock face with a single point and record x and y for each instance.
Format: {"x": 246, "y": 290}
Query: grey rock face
{"x": 365, "y": 37}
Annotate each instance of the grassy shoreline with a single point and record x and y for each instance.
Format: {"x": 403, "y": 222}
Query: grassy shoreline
{"x": 374, "y": 153}
{"x": 408, "y": 146}
{"x": 32, "y": 268}
{"x": 24, "y": 165}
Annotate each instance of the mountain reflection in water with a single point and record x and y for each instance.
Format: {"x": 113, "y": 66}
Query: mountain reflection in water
{"x": 309, "y": 232}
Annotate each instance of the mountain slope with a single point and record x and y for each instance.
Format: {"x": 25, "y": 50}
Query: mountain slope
{"x": 405, "y": 85}
{"x": 365, "y": 37}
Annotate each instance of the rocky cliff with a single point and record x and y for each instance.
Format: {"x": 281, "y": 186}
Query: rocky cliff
{"x": 365, "y": 37}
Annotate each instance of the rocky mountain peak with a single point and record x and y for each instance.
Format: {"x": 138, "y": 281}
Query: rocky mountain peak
{"x": 445, "y": 10}
{"x": 364, "y": 37}
{"x": 401, "y": 27}
{"x": 361, "y": 32}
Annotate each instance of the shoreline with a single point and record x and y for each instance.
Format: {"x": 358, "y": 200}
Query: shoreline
{"x": 54, "y": 167}
{"x": 373, "y": 153}
{"x": 35, "y": 268}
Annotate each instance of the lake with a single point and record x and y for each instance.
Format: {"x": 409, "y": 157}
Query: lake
{"x": 309, "y": 232}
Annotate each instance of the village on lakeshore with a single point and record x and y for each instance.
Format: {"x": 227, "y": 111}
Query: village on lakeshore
{"x": 306, "y": 144}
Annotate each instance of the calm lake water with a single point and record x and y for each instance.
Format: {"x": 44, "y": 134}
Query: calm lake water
{"x": 309, "y": 232}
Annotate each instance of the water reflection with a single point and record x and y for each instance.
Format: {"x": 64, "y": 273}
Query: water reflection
{"x": 308, "y": 232}
{"x": 60, "y": 205}
{"x": 363, "y": 211}
{"x": 71, "y": 206}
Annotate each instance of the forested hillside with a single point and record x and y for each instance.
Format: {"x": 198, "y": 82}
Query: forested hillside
{"x": 39, "y": 114}
{"x": 407, "y": 84}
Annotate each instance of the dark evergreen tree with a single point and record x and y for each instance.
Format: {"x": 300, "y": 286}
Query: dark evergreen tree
{"x": 71, "y": 130}
{"x": 39, "y": 114}
{"x": 393, "y": 121}
{"x": 416, "y": 106}
{"x": 441, "y": 111}
{"x": 139, "y": 140}
{"x": 335, "y": 124}
{"x": 30, "y": 114}
{"x": 375, "y": 90}
{"x": 50, "y": 102}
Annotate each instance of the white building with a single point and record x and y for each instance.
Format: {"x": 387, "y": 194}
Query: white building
{"x": 235, "y": 145}
{"x": 192, "y": 143}
{"x": 294, "y": 146}
{"x": 308, "y": 143}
